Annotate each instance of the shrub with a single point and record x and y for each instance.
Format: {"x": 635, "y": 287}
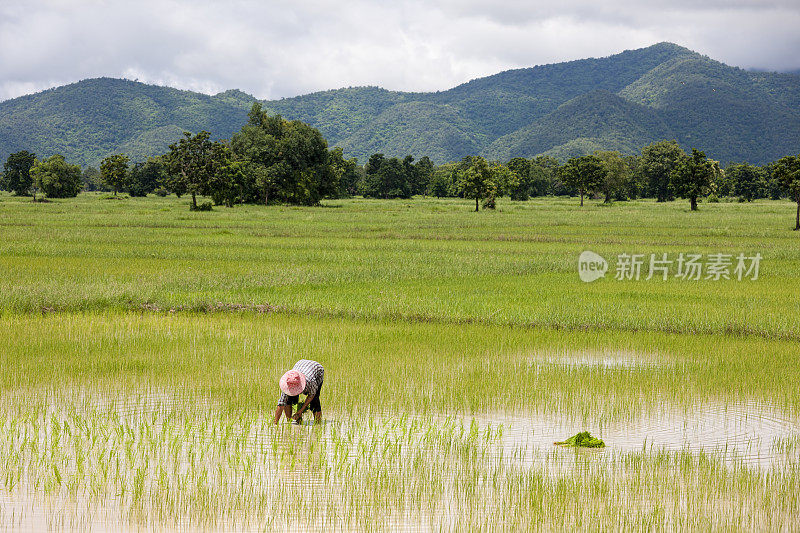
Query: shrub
{"x": 203, "y": 206}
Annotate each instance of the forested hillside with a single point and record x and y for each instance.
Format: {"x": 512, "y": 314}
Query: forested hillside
{"x": 621, "y": 102}
{"x": 592, "y": 121}
{"x": 91, "y": 119}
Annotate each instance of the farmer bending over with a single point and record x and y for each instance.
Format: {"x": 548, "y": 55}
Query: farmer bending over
{"x": 304, "y": 378}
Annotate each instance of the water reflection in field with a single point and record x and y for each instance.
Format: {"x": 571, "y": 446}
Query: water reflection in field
{"x": 179, "y": 462}
{"x": 749, "y": 432}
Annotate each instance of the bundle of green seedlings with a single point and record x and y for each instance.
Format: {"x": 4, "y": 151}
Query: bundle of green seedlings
{"x": 582, "y": 440}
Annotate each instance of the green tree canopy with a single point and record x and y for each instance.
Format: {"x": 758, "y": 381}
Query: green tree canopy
{"x": 387, "y": 178}
{"x": 57, "y": 178}
{"x": 145, "y": 177}
{"x": 17, "y": 173}
{"x": 521, "y": 168}
{"x": 229, "y": 183}
{"x": 347, "y": 172}
{"x": 92, "y": 180}
{"x": 505, "y": 180}
{"x": 287, "y": 161}
{"x": 544, "y": 174}
{"x": 659, "y": 160}
{"x": 422, "y": 176}
{"x": 747, "y": 181}
{"x": 443, "y": 182}
{"x": 114, "y": 172}
{"x": 477, "y": 181}
{"x": 616, "y": 174}
{"x": 584, "y": 174}
{"x": 693, "y": 177}
{"x": 192, "y": 162}
{"x": 787, "y": 171}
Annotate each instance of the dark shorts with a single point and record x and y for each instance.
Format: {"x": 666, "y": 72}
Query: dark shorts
{"x": 314, "y": 406}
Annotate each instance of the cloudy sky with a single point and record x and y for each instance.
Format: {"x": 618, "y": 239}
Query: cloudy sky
{"x": 273, "y": 49}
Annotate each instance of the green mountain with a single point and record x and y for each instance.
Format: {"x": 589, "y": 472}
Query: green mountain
{"x": 591, "y": 121}
{"x": 620, "y": 102}
{"x": 88, "y": 120}
{"x": 488, "y": 107}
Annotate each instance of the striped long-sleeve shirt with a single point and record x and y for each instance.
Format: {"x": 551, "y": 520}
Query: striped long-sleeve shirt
{"x": 314, "y": 373}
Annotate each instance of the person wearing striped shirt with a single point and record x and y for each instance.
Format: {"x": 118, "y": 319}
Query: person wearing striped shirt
{"x": 305, "y": 377}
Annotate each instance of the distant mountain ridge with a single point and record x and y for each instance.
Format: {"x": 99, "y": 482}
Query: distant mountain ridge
{"x": 620, "y": 102}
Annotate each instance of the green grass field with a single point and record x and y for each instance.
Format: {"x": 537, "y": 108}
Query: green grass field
{"x": 141, "y": 345}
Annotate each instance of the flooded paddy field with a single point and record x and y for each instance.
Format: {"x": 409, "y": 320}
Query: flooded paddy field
{"x": 184, "y": 440}
{"x": 183, "y": 465}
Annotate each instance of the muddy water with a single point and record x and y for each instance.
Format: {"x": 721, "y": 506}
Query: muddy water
{"x": 23, "y": 512}
{"x": 605, "y": 359}
{"x": 748, "y": 432}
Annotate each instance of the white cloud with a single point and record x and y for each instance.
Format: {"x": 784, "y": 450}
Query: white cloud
{"x": 280, "y": 48}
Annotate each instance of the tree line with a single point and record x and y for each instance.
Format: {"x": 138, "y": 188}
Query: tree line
{"x": 273, "y": 160}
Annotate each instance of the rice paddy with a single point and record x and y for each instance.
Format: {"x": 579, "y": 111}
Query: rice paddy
{"x": 141, "y": 345}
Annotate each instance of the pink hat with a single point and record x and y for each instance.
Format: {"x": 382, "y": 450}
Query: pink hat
{"x": 293, "y": 383}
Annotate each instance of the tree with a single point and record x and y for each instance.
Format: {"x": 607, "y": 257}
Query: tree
{"x": 174, "y": 182}
{"x": 410, "y": 171}
{"x": 347, "y": 171}
{"x": 746, "y": 181}
{"x": 17, "y": 173}
{"x": 146, "y": 177}
{"x": 192, "y": 164}
{"x": 386, "y": 178}
{"x": 787, "y": 171}
{"x": 57, "y": 178}
{"x": 422, "y": 176}
{"x": 441, "y": 182}
{"x": 584, "y": 174}
{"x": 266, "y": 179}
{"x": 544, "y": 174}
{"x": 693, "y": 177}
{"x": 477, "y": 181}
{"x": 307, "y": 175}
{"x": 257, "y": 145}
{"x": 92, "y": 181}
{"x": 374, "y": 163}
{"x": 229, "y": 182}
{"x": 505, "y": 179}
{"x": 285, "y": 161}
{"x": 635, "y": 185}
{"x": 616, "y": 174}
{"x": 657, "y": 163}
{"x": 521, "y": 168}
{"x": 772, "y": 188}
{"x": 389, "y": 180}
{"x": 114, "y": 172}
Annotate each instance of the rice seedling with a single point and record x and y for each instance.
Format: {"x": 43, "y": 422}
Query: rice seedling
{"x": 163, "y": 461}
